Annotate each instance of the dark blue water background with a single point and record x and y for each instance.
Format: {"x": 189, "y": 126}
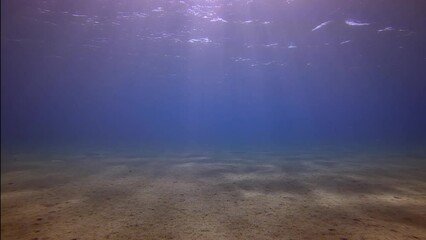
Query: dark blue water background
{"x": 213, "y": 73}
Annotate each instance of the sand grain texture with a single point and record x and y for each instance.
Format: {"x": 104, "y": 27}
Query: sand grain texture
{"x": 211, "y": 196}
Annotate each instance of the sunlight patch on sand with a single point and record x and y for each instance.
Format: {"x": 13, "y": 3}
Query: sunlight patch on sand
{"x": 252, "y": 176}
{"x": 12, "y": 196}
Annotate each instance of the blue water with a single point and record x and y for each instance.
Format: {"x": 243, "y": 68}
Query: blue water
{"x": 213, "y": 74}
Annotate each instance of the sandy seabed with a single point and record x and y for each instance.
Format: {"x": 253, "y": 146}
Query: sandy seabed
{"x": 213, "y": 196}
